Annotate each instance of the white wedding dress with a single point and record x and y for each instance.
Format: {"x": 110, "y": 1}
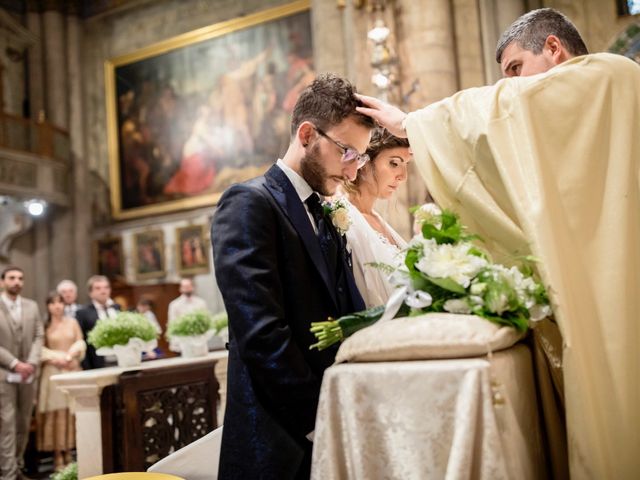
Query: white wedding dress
{"x": 369, "y": 246}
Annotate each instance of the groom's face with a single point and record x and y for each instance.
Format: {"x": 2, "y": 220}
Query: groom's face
{"x": 322, "y": 166}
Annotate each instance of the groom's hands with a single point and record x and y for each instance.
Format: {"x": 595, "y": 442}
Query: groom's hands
{"x": 386, "y": 115}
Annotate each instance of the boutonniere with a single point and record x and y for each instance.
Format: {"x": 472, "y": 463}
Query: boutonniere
{"x": 339, "y": 215}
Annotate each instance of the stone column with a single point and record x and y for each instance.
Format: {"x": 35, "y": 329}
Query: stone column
{"x": 34, "y": 61}
{"x": 426, "y": 50}
{"x": 61, "y": 244}
{"x": 328, "y": 38}
{"x": 80, "y": 178}
{"x": 495, "y": 17}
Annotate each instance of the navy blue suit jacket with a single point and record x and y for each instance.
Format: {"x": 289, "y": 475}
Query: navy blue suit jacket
{"x": 87, "y": 317}
{"x": 274, "y": 281}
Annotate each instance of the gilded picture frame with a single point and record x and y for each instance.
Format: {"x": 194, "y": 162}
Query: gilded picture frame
{"x": 148, "y": 254}
{"x": 192, "y": 250}
{"x": 189, "y": 116}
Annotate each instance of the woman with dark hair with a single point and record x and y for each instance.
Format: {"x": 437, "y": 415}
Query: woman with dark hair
{"x": 64, "y": 349}
{"x": 370, "y": 238}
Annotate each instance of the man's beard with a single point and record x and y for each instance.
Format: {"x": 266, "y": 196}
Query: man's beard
{"x": 14, "y": 290}
{"x": 314, "y": 173}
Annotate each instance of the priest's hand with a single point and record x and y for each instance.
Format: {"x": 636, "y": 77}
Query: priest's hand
{"x": 387, "y": 115}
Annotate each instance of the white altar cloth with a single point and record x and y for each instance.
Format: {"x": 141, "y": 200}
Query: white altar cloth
{"x": 441, "y": 419}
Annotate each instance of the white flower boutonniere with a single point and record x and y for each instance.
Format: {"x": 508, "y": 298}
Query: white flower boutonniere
{"x": 339, "y": 215}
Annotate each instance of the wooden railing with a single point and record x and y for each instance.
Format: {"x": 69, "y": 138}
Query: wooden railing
{"x": 40, "y": 138}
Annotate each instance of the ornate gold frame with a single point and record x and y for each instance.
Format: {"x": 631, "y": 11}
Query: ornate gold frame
{"x": 179, "y": 41}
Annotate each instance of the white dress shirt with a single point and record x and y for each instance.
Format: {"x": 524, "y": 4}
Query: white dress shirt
{"x": 105, "y": 311}
{"x": 301, "y": 187}
{"x": 184, "y": 304}
{"x": 14, "y": 306}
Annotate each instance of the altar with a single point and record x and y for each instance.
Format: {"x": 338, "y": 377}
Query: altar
{"x": 470, "y": 418}
{"x": 129, "y": 418}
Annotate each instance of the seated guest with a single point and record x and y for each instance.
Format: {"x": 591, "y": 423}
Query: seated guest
{"x": 64, "y": 349}
{"x": 370, "y": 238}
{"x": 101, "y": 306}
{"x": 69, "y": 292}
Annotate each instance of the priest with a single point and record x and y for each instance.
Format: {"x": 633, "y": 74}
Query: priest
{"x": 548, "y": 163}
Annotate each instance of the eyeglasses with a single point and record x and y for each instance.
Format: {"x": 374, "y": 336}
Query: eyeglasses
{"x": 349, "y": 155}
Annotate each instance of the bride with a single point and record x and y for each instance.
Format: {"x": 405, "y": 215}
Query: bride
{"x": 370, "y": 238}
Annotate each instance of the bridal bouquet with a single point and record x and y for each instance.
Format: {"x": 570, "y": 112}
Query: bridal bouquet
{"x": 444, "y": 271}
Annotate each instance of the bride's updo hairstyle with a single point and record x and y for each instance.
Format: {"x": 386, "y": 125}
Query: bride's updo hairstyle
{"x": 381, "y": 139}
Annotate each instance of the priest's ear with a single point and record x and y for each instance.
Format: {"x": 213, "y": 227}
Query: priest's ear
{"x": 555, "y": 50}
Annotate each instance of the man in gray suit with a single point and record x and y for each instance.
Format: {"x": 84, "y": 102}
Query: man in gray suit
{"x": 21, "y": 339}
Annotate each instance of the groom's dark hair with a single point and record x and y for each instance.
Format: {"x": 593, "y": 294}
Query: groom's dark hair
{"x": 327, "y": 102}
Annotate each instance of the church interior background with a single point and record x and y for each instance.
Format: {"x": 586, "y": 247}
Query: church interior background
{"x": 71, "y": 136}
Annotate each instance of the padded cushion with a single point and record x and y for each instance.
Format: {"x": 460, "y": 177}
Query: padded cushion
{"x": 433, "y": 335}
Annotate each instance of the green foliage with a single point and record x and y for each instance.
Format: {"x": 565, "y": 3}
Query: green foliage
{"x": 118, "y": 330}
{"x": 220, "y": 321}
{"x": 70, "y": 472}
{"x": 191, "y": 324}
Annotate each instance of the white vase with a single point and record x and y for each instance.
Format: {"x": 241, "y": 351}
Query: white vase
{"x": 129, "y": 355}
{"x": 191, "y": 345}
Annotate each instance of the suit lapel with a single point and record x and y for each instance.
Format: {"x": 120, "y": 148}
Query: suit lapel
{"x": 287, "y": 198}
{"x": 7, "y": 315}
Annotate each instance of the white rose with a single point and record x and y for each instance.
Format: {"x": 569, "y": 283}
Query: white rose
{"x": 341, "y": 220}
{"x": 497, "y": 303}
{"x": 452, "y": 261}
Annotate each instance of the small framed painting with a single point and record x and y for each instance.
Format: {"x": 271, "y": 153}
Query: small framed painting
{"x": 148, "y": 255}
{"x": 192, "y": 250}
{"x": 108, "y": 257}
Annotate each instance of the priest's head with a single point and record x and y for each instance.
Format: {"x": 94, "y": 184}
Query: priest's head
{"x": 537, "y": 41}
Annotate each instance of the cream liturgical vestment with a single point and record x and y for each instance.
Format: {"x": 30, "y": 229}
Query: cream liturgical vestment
{"x": 550, "y": 164}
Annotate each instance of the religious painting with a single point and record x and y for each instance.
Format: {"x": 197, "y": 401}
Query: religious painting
{"x": 149, "y": 254}
{"x": 108, "y": 257}
{"x": 192, "y": 250}
{"x": 192, "y": 115}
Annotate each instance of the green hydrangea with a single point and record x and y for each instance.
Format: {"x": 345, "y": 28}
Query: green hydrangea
{"x": 118, "y": 330}
{"x": 70, "y": 472}
{"x": 220, "y": 321}
{"x": 190, "y": 324}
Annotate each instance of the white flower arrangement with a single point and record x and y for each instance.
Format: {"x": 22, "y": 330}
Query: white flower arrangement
{"x": 339, "y": 214}
{"x": 444, "y": 271}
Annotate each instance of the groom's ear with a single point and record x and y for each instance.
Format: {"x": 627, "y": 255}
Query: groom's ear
{"x": 305, "y": 133}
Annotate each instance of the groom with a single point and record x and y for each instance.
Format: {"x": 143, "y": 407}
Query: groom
{"x": 280, "y": 265}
